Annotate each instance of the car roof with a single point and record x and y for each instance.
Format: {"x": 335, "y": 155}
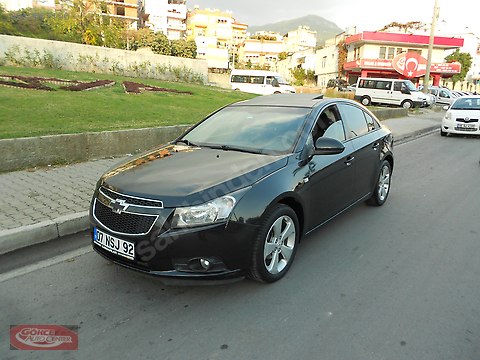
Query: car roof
{"x": 290, "y": 100}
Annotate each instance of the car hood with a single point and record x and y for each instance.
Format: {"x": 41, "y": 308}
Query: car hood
{"x": 182, "y": 175}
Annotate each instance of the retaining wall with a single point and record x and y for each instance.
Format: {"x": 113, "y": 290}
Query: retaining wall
{"x": 31, "y": 152}
{"x": 17, "y": 50}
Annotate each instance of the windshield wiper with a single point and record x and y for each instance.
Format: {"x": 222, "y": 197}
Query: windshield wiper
{"x": 234, "y": 148}
{"x": 186, "y": 142}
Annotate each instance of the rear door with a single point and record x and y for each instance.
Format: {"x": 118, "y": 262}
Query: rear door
{"x": 361, "y": 130}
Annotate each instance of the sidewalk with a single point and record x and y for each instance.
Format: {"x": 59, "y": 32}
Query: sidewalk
{"x": 45, "y": 204}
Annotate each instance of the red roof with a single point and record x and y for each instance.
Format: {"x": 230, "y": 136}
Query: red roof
{"x": 386, "y": 37}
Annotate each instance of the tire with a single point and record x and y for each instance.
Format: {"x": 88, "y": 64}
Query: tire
{"x": 277, "y": 92}
{"x": 407, "y": 104}
{"x": 272, "y": 256}
{"x": 365, "y": 100}
{"x": 382, "y": 187}
{"x": 443, "y": 133}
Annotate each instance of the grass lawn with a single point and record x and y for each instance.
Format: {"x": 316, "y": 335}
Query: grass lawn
{"x": 25, "y": 113}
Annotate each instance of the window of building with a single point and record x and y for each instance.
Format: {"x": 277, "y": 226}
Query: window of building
{"x": 391, "y": 53}
{"x": 399, "y": 51}
{"x": 383, "y": 52}
{"x": 415, "y": 51}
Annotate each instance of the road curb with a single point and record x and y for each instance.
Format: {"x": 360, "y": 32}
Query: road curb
{"x": 415, "y": 135}
{"x": 28, "y": 235}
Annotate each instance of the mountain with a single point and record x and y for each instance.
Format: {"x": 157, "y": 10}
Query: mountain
{"x": 325, "y": 29}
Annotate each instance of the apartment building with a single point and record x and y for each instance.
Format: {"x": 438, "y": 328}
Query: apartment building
{"x": 166, "y": 16}
{"x": 128, "y": 10}
{"x": 300, "y": 40}
{"x": 217, "y": 35}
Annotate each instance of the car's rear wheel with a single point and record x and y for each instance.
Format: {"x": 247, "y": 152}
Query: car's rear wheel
{"x": 382, "y": 188}
{"x": 275, "y": 245}
{"x": 365, "y": 100}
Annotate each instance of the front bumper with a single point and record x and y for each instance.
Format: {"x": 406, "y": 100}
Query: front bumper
{"x": 454, "y": 127}
{"x": 174, "y": 255}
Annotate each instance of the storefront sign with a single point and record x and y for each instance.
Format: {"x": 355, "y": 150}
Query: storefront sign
{"x": 410, "y": 64}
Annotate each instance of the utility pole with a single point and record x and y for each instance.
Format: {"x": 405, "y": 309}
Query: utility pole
{"x": 426, "y": 79}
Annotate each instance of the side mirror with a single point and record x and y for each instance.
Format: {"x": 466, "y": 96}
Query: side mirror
{"x": 328, "y": 146}
{"x": 446, "y": 107}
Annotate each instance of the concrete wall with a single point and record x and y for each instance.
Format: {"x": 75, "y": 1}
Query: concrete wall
{"x": 16, "y": 50}
{"x": 25, "y": 153}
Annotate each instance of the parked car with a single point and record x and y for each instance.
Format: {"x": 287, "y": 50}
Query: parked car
{"x": 389, "y": 91}
{"x": 259, "y": 82}
{"x": 235, "y": 194}
{"x": 462, "y": 117}
{"x": 442, "y": 95}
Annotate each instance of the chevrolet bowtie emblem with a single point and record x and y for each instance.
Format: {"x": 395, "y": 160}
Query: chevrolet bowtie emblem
{"x": 118, "y": 206}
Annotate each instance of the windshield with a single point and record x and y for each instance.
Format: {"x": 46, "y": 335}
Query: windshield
{"x": 257, "y": 129}
{"x": 410, "y": 85}
{"x": 281, "y": 80}
{"x": 466, "y": 104}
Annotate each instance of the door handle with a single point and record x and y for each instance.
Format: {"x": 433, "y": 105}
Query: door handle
{"x": 375, "y": 146}
{"x": 349, "y": 160}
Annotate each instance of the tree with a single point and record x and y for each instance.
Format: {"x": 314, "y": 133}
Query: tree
{"x": 342, "y": 56}
{"x": 161, "y": 44}
{"x": 282, "y": 56}
{"x": 405, "y": 27}
{"x": 299, "y": 76}
{"x": 463, "y": 58}
{"x": 6, "y": 26}
{"x": 184, "y": 48}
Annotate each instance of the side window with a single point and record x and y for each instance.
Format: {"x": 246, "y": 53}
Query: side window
{"x": 383, "y": 85}
{"x": 355, "y": 120}
{"x": 257, "y": 79}
{"x": 371, "y": 123}
{"x": 397, "y": 86}
{"x": 329, "y": 124}
{"x": 269, "y": 80}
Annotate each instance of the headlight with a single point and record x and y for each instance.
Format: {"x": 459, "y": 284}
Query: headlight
{"x": 448, "y": 115}
{"x": 210, "y": 212}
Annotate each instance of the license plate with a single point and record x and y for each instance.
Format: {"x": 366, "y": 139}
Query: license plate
{"x": 466, "y": 126}
{"x": 113, "y": 244}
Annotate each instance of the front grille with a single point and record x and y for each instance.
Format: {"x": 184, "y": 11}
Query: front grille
{"x": 124, "y": 223}
{"x": 130, "y": 199}
{"x": 462, "y": 120}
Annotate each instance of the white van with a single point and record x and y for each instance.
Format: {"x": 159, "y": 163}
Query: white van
{"x": 259, "y": 82}
{"x": 389, "y": 91}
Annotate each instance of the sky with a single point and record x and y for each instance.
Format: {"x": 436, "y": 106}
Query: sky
{"x": 367, "y": 15}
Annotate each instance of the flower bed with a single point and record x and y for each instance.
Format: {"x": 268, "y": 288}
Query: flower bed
{"x": 85, "y": 86}
{"x": 136, "y": 88}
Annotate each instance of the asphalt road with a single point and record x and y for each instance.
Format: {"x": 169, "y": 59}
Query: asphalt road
{"x": 396, "y": 282}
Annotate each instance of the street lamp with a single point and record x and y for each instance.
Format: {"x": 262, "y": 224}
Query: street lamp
{"x": 426, "y": 80}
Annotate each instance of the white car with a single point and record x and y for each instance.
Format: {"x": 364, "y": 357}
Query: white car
{"x": 462, "y": 117}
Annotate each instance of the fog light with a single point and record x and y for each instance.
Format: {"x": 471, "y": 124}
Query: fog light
{"x": 205, "y": 264}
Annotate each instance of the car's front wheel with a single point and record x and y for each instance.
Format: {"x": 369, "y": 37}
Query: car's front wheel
{"x": 275, "y": 245}
{"x": 382, "y": 188}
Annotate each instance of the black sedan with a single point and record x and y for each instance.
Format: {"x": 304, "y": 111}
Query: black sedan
{"x": 233, "y": 196}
